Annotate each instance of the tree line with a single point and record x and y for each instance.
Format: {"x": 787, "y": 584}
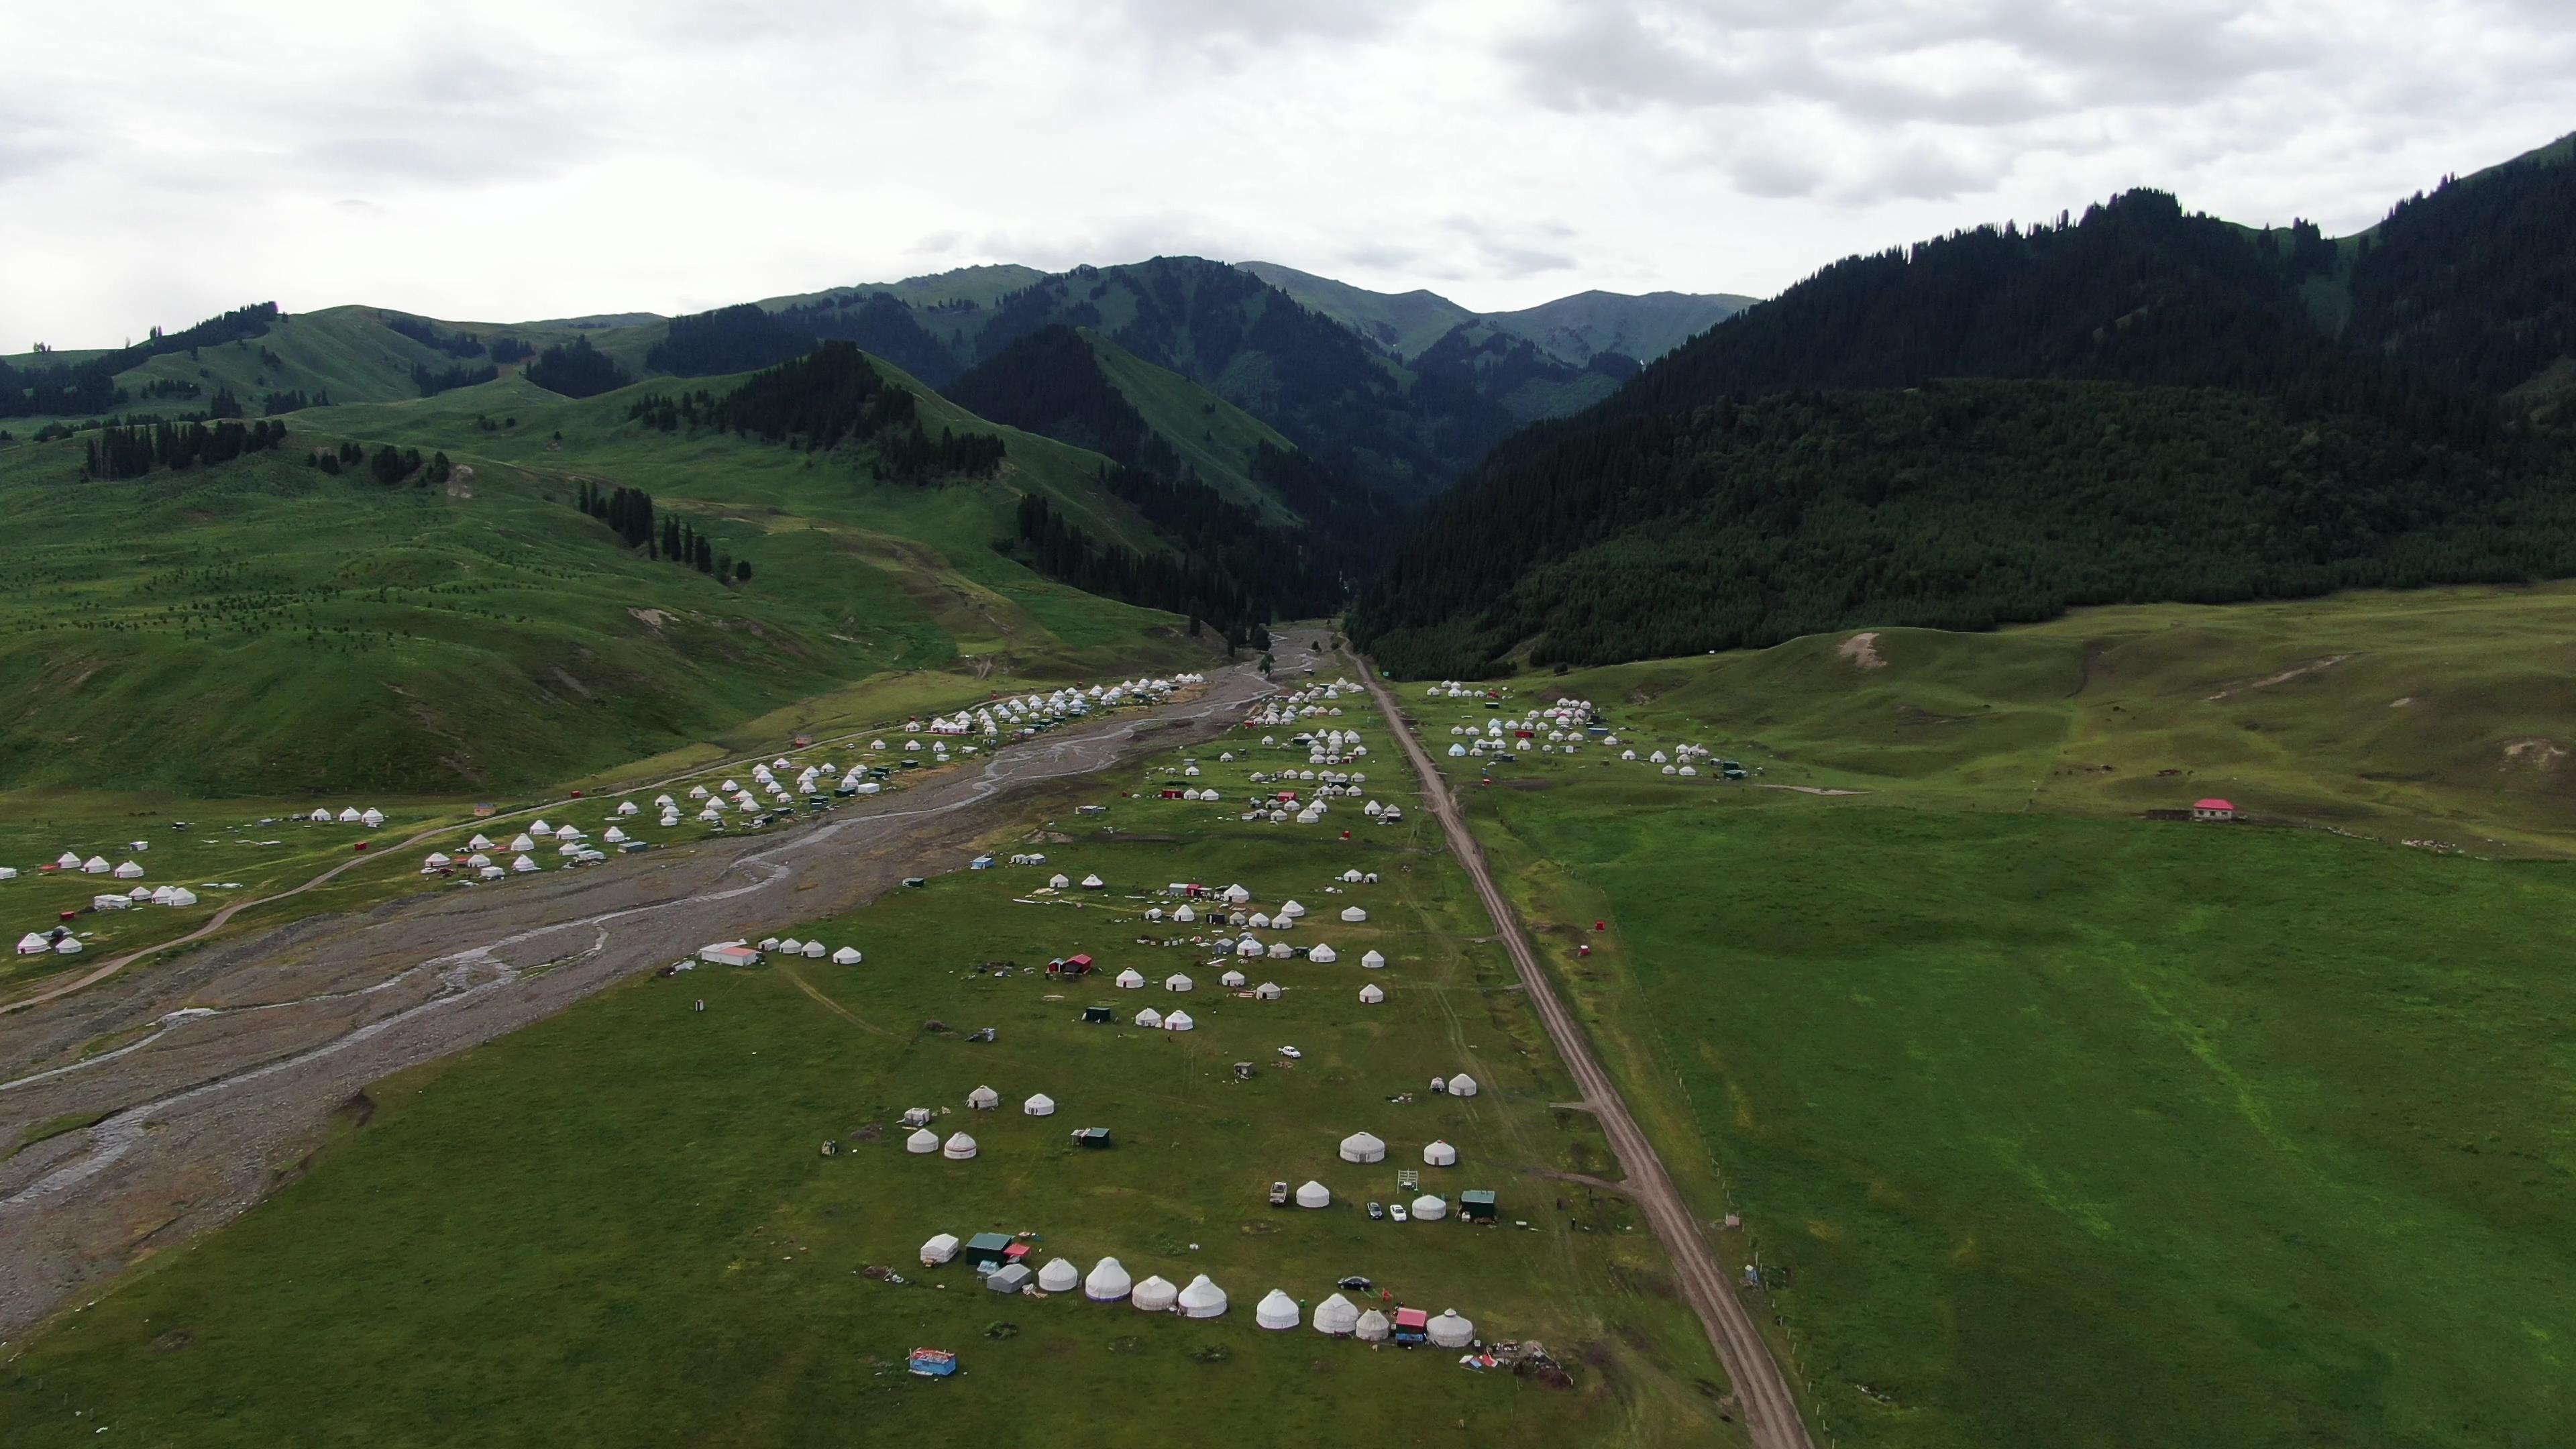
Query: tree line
{"x": 576, "y": 369}
{"x": 1173, "y": 582}
{"x": 629, "y": 513}
{"x": 62, "y": 389}
{"x": 829, "y": 397}
{"x": 1963, "y": 505}
{"x": 132, "y": 451}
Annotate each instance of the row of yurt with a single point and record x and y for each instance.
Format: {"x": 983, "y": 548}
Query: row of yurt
{"x": 958, "y": 1148}
{"x": 371, "y": 817}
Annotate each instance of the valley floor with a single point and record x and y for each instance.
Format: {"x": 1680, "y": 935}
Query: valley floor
{"x": 615, "y": 1224}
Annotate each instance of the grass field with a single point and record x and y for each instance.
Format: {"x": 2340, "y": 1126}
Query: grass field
{"x": 616, "y": 1227}
{"x": 2438, "y": 715}
{"x": 2060, "y": 1126}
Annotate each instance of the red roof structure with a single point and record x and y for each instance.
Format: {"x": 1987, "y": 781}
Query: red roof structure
{"x": 1414, "y": 1318}
{"x": 2213, "y": 803}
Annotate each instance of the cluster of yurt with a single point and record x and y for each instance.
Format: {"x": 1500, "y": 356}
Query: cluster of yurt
{"x": 371, "y": 817}
{"x": 811, "y": 950}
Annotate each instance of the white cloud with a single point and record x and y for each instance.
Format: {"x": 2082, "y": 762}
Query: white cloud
{"x": 483, "y": 160}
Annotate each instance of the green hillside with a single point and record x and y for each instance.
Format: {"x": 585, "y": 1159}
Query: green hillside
{"x": 1402, "y": 322}
{"x": 262, "y": 625}
{"x": 1212, "y": 436}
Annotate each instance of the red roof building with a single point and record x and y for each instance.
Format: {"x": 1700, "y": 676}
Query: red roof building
{"x": 2212, "y": 809}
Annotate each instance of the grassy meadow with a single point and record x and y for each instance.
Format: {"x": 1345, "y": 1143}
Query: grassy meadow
{"x": 616, "y": 1226}
{"x": 2057, "y": 1125}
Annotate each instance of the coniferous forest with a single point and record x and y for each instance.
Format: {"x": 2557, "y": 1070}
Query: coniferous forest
{"x": 576, "y": 369}
{"x": 2136, "y": 405}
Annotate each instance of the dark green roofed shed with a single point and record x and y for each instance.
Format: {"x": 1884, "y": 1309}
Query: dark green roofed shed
{"x": 1476, "y": 1205}
{"x": 988, "y": 1248}
{"x": 1091, "y": 1136}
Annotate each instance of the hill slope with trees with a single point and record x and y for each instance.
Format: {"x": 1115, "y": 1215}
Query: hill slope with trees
{"x": 2266, "y": 414}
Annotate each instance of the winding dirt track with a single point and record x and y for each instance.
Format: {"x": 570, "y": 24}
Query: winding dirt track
{"x": 210, "y": 1080}
{"x": 1771, "y": 1411}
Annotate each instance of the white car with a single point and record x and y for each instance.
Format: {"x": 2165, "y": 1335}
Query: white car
{"x": 1291, "y": 1053}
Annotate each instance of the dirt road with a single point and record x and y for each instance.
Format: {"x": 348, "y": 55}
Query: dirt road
{"x": 1771, "y": 1411}
{"x": 209, "y": 1079}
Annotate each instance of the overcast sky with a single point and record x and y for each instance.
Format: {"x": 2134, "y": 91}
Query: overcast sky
{"x": 543, "y": 158}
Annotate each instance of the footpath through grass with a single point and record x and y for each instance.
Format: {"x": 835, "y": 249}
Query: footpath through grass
{"x": 617, "y": 1226}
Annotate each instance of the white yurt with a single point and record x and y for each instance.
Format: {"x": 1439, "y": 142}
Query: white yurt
{"x": 1268, "y": 991}
{"x": 1371, "y": 995}
{"x": 1132, "y": 979}
{"x": 1276, "y": 1310}
{"x": 813, "y": 950}
{"x": 1439, "y": 1154}
{"x": 1463, "y": 1085}
{"x": 477, "y": 861}
{"x": 491, "y": 872}
{"x": 1059, "y": 1276}
{"x": 1149, "y": 1017}
{"x": 479, "y": 842}
{"x": 983, "y": 1099}
{"x": 68, "y": 860}
{"x": 1314, "y": 1195}
{"x": 1373, "y": 961}
{"x": 1363, "y": 1147}
{"x": 1178, "y": 982}
{"x": 1155, "y": 1295}
{"x": 939, "y": 1250}
{"x": 437, "y": 858}
{"x": 790, "y": 946}
{"x": 372, "y": 818}
{"x": 95, "y": 865}
{"x": 628, "y": 807}
{"x": 1354, "y": 915}
{"x": 1203, "y": 1299}
{"x": 924, "y": 1141}
{"x": 1179, "y": 1021}
{"x": 1281, "y": 951}
{"x": 541, "y": 829}
{"x": 1093, "y": 883}
{"x": 1040, "y": 1105}
{"x": 1154, "y": 914}
{"x": 1323, "y": 955}
{"x": 1291, "y": 909}
{"x": 68, "y": 946}
{"x": 1336, "y": 1316}
{"x": 613, "y": 835}
{"x": 524, "y": 864}
{"x": 523, "y": 843}
{"x": 1185, "y": 915}
{"x": 847, "y": 956}
{"x": 1107, "y": 1282}
{"x": 1247, "y": 948}
{"x": 1451, "y": 1331}
{"x": 958, "y": 1147}
{"x": 1430, "y": 1208}
{"x": 1238, "y": 895}
{"x": 349, "y": 815}
{"x": 1373, "y": 1327}
{"x": 1232, "y": 979}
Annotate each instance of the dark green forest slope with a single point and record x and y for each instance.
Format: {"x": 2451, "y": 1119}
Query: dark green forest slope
{"x": 2271, "y": 414}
